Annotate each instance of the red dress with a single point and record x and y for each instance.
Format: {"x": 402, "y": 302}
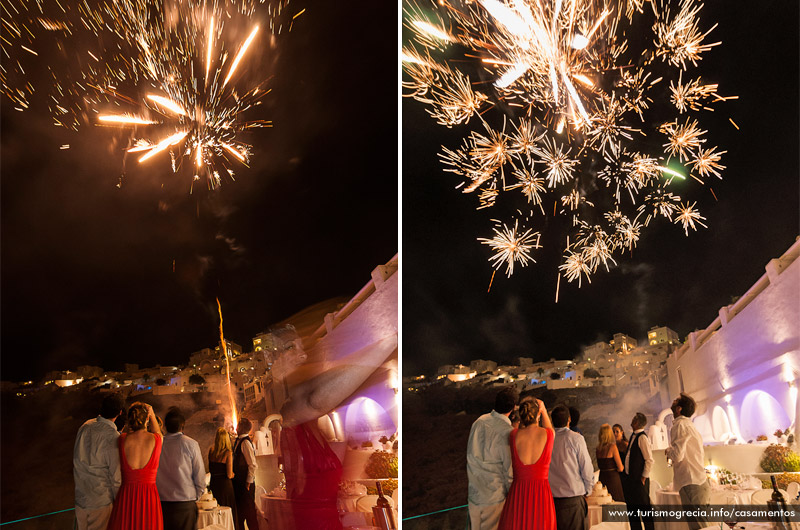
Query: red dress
{"x": 313, "y": 472}
{"x": 529, "y": 503}
{"x": 137, "y": 506}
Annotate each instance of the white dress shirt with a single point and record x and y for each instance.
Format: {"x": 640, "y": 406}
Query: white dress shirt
{"x": 647, "y": 454}
{"x": 181, "y": 472}
{"x": 95, "y": 464}
{"x": 489, "y": 459}
{"x": 686, "y": 452}
{"x": 249, "y": 454}
{"x": 571, "y": 471}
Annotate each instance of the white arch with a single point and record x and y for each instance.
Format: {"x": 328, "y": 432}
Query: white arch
{"x": 761, "y": 414}
{"x": 703, "y": 425}
{"x": 663, "y": 415}
{"x": 367, "y": 419}
{"x": 720, "y": 424}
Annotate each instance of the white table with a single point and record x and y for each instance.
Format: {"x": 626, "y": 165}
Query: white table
{"x": 670, "y": 498}
{"x": 221, "y": 516}
{"x": 278, "y": 511}
{"x": 720, "y": 495}
{"x": 595, "y": 515}
{"x": 348, "y": 502}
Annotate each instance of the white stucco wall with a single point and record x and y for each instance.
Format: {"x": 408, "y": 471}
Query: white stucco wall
{"x": 742, "y": 375}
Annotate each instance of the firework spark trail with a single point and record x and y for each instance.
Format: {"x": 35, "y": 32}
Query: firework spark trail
{"x": 234, "y": 416}
{"x": 175, "y": 56}
{"x": 239, "y": 55}
{"x": 577, "y": 101}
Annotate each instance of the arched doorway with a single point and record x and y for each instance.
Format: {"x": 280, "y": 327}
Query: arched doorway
{"x": 366, "y": 420}
{"x": 761, "y": 414}
{"x": 720, "y": 424}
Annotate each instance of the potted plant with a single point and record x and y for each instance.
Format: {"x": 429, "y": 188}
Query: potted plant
{"x": 381, "y": 464}
{"x": 779, "y": 458}
{"x": 779, "y": 435}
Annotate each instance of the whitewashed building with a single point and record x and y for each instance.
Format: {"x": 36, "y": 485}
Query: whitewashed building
{"x": 743, "y": 368}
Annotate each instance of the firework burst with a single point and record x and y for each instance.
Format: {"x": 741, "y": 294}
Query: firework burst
{"x": 565, "y": 104}
{"x": 183, "y": 77}
{"x": 511, "y": 245}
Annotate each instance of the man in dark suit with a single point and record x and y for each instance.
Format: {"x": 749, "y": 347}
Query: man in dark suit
{"x": 244, "y": 470}
{"x": 636, "y": 478}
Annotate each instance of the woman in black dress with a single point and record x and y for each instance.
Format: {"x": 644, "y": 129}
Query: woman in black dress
{"x": 610, "y": 463}
{"x": 220, "y": 465}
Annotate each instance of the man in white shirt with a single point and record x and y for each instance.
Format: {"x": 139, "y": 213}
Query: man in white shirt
{"x": 489, "y": 462}
{"x": 636, "y": 478}
{"x": 571, "y": 473}
{"x": 244, "y": 469}
{"x": 181, "y": 478}
{"x": 686, "y": 452}
{"x": 95, "y": 466}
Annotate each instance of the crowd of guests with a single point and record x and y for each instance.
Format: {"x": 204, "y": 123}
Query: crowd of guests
{"x": 530, "y": 469}
{"x": 143, "y": 478}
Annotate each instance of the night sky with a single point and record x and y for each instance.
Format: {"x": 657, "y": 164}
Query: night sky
{"x": 672, "y": 280}
{"x": 87, "y": 268}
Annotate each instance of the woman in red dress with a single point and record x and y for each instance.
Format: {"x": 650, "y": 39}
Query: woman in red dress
{"x": 313, "y": 473}
{"x": 529, "y": 503}
{"x": 137, "y": 506}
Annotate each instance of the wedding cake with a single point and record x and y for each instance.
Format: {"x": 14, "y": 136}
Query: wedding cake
{"x": 207, "y": 501}
{"x": 599, "y": 495}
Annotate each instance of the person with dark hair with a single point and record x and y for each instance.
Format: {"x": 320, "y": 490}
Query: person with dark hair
{"x": 181, "y": 476}
{"x": 244, "y": 476}
{"x": 686, "y": 452}
{"x": 489, "y": 462}
{"x": 137, "y": 505}
{"x": 571, "y": 473}
{"x": 636, "y": 480}
{"x": 574, "y": 418}
{"x": 95, "y": 466}
{"x": 621, "y": 440}
{"x": 529, "y": 503}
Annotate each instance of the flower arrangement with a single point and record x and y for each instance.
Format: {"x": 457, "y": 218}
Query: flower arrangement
{"x": 381, "y": 464}
{"x": 778, "y": 458}
{"x": 388, "y": 486}
{"x": 783, "y": 481}
{"x": 780, "y": 435}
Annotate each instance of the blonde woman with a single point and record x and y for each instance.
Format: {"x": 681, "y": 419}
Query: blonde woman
{"x": 220, "y": 465}
{"x": 609, "y": 462}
